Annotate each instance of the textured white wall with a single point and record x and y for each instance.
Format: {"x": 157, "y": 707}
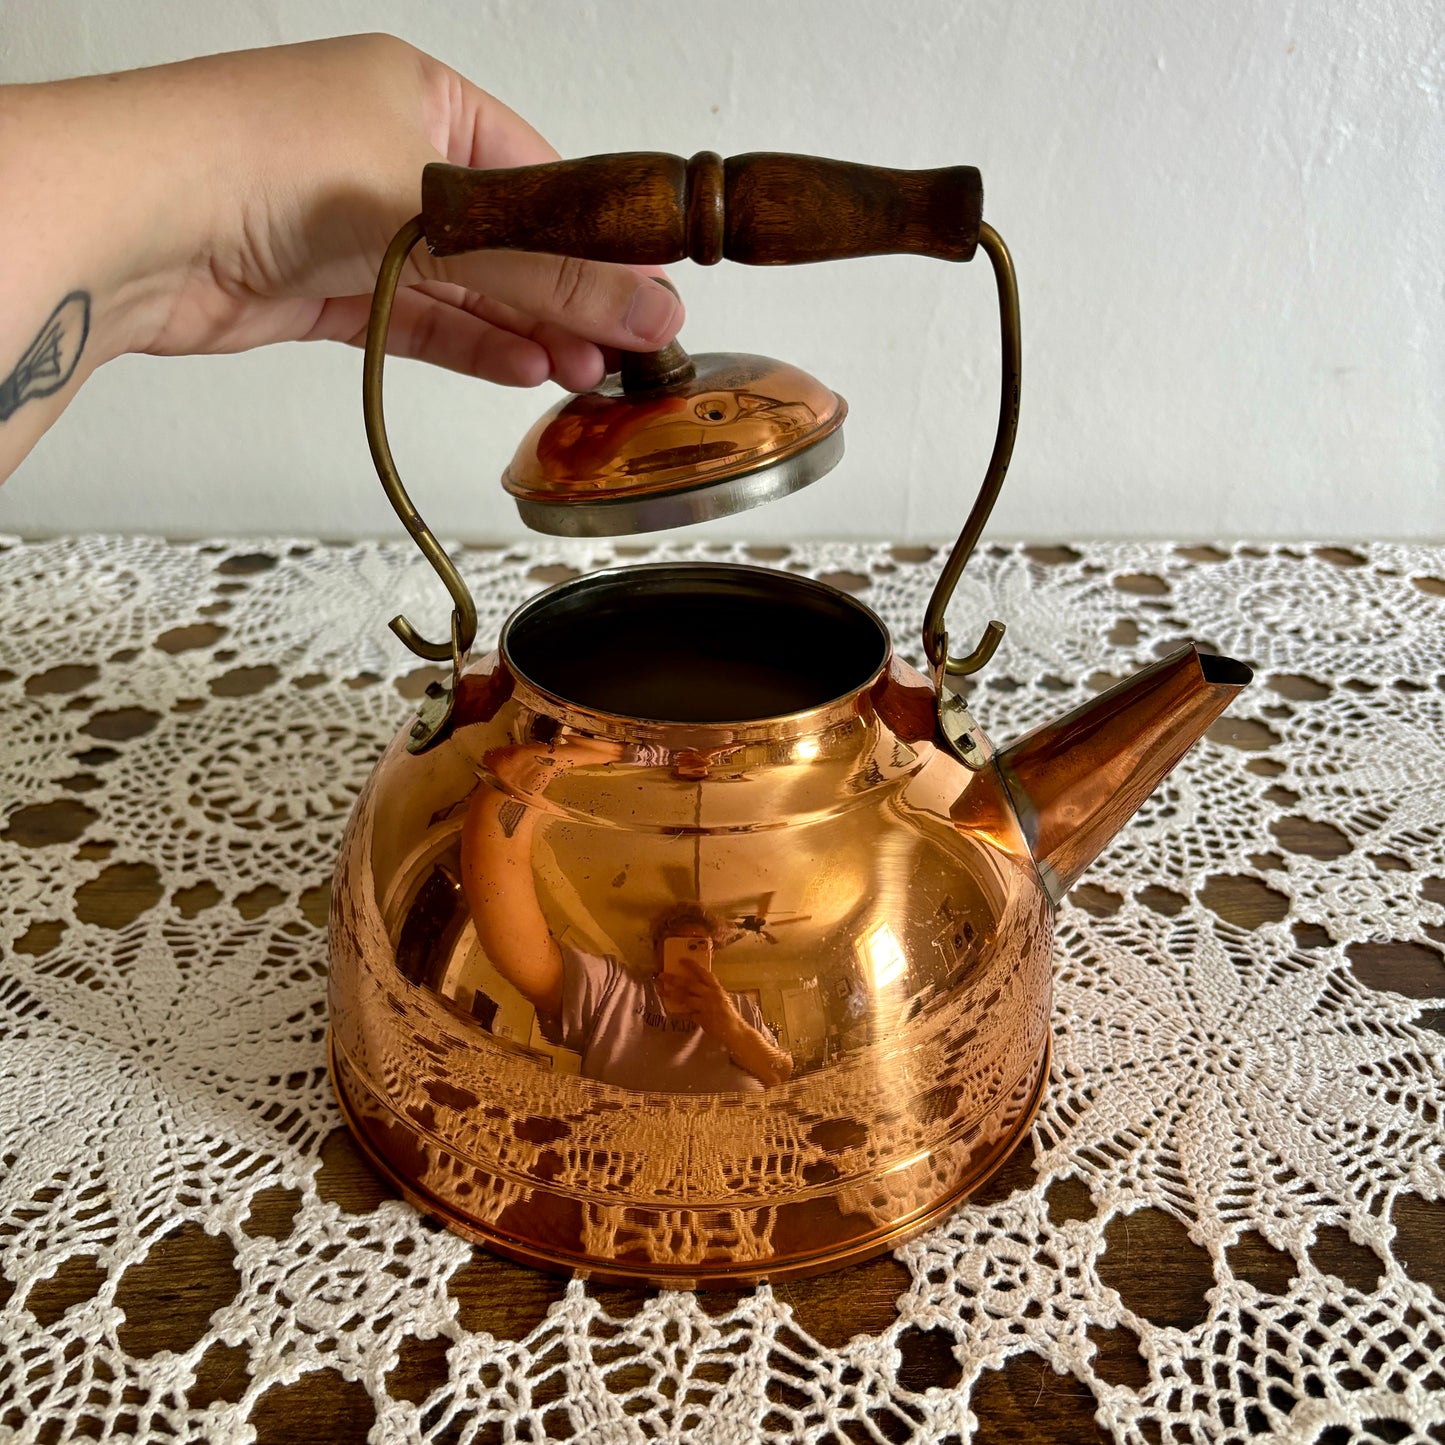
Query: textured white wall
{"x": 1226, "y": 219}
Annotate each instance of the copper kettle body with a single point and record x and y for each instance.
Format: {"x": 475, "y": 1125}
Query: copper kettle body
{"x": 692, "y": 936}
{"x": 877, "y": 919}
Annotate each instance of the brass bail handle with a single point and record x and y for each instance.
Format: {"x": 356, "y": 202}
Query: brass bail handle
{"x": 935, "y": 632}
{"x": 650, "y": 208}
{"x": 464, "y": 614}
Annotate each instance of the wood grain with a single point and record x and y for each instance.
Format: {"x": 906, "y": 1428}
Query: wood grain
{"x": 648, "y": 208}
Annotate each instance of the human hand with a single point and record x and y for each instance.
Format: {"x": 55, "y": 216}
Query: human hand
{"x": 253, "y": 195}
{"x": 689, "y": 989}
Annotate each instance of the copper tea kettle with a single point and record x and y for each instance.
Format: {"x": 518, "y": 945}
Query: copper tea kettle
{"x": 691, "y": 935}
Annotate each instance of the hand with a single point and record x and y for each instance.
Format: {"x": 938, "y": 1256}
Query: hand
{"x": 250, "y": 197}
{"x": 691, "y": 991}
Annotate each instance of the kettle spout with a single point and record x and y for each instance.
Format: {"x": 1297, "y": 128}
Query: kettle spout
{"x": 1075, "y": 782}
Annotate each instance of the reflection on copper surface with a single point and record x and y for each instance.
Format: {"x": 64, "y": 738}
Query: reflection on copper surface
{"x": 737, "y": 412}
{"x": 689, "y": 1002}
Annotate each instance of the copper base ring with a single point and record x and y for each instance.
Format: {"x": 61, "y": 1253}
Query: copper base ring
{"x": 691, "y": 1278}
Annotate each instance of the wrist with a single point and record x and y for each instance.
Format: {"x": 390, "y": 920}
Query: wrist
{"x": 99, "y": 207}
{"x": 297, "y": 164}
{"x": 728, "y": 1029}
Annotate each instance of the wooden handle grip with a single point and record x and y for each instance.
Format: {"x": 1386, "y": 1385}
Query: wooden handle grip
{"x": 647, "y": 208}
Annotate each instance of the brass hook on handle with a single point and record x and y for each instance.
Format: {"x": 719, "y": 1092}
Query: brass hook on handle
{"x": 464, "y": 615}
{"x": 935, "y": 632}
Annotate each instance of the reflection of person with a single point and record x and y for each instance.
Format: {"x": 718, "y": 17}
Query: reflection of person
{"x": 235, "y": 200}
{"x": 669, "y": 1026}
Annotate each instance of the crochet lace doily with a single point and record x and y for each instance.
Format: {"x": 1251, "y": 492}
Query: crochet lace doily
{"x": 196, "y": 720}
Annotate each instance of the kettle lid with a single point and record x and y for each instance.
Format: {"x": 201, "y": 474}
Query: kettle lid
{"x": 674, "y": 439}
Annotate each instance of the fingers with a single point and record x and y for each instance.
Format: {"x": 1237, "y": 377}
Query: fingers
{"x": 707, "y": 1004}
{"x": 678, "y": 999}
{"x": 606, "y": 304}
{"x": 689, "y": 982}
{"x": 480, "y": 129}
{"x": 478, "y": 339}
{"x": 697, "y": 975}
{"x": 427, "y": 329}
{"x": 576, "y": 364}
{"x": 485, "y": 133}
{"x": 512, "y": 317}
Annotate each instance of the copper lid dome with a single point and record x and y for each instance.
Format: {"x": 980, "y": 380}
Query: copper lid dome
{"x": 675, "y": 439}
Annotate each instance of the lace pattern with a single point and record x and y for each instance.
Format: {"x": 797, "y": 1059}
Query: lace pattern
{"x": 186, "y": 728}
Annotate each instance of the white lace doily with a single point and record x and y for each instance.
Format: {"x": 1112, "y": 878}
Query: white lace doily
{"x": 194, "y": 721}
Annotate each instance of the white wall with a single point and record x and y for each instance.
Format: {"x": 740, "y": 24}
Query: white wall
{"x": 1226, "y": 217}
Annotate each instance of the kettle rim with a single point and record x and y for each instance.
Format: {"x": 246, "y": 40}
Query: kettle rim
{"x": 697, "y": 579}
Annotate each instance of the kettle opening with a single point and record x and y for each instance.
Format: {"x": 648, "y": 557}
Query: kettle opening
{"x": 696, "y": 643}
{"x": 1224, "y": 671}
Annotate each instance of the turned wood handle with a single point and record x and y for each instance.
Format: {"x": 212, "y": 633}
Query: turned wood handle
{"x": 647, "y": 208}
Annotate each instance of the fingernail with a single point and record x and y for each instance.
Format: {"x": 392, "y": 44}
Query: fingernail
{"x": 652, "y": 312}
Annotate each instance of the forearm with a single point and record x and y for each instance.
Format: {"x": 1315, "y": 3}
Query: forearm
{"x": 502, "y": 895}
{"x": 751, "y": 1050}
{"x": 232, "y": 201}
{"x": 94, "y": 225}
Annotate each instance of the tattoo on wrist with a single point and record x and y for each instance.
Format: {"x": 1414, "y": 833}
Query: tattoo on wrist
{"x": 50, "y": 360}
{"x": 510, "y": 816}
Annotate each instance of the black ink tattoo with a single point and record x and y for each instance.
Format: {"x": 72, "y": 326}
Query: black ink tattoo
{"x": 52, "y": 358}
{"x": 510, "y": 816}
